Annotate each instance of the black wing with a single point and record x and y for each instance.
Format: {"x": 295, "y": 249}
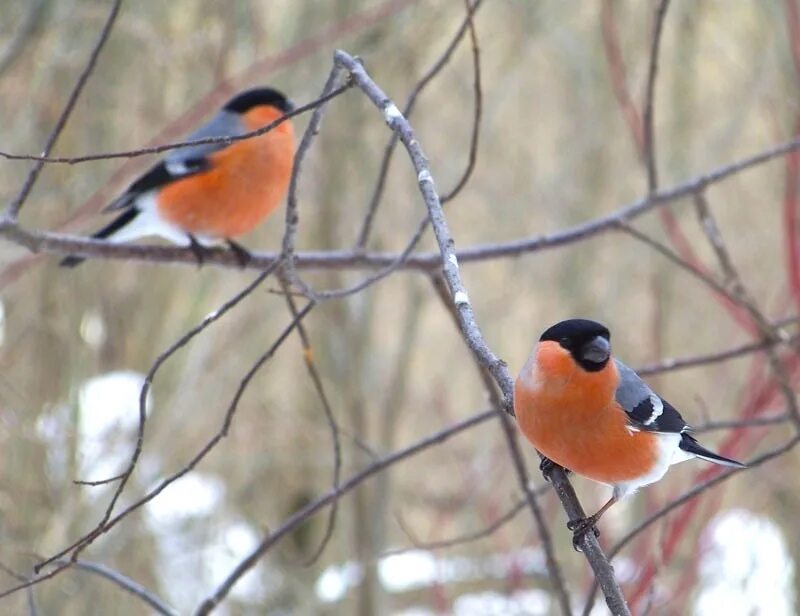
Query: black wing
{"x": 646, "y": 410}
{"x": 183, "y": 162}
{"x": 160, "y": 175}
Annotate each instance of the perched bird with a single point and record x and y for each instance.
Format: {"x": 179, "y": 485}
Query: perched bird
{"x": 199, "y": 195}
{"x": 592, "y": 414}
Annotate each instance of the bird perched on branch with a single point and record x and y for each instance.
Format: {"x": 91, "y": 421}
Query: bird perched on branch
{"x": 592, "y": 414}
{"x": 200, "y": 195}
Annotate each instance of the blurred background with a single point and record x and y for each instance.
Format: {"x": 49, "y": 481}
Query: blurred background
{"x": 556, "y": 148}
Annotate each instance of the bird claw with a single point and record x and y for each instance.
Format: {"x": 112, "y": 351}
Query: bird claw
{"x": 579, "y": 528}
{"x": 546, "y": 466}
{"x": 198, "y": 250}
{"x": 241, "y": 253}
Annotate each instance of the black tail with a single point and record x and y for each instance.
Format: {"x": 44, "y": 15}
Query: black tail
{"x": 690, "y": 445}
{"x": 111, "y": 228}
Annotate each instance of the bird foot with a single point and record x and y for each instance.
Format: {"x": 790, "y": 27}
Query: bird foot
{"x": 241, "y": 253}
{"x": 198, "y": 250}
{"x": 546, "y": 466}
{"x": 580, "y": 527}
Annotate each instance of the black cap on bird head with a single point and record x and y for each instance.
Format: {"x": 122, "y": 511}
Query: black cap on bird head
{"x": 587, "y": 341}
{"x": 245, "y": 101}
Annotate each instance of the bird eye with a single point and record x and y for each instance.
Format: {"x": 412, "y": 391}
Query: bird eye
{"x": 564, "y": 342}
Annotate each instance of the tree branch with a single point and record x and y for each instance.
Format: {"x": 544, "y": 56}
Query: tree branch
{"x": 108, "y": 522}
{"x": 648, "y": 119}
{"x": 316, "y": 379}
{"x": 469, "y": 537}
{"x": 695, "y": 361}
{"x": 43, "y": 241}
{"x": 125, "y": 583}
{"x": 749, "y": 303}
{"x": 427, "y": 78}
{"x": 302, "y": 515}
{"x": 510, "y": 434}
{"x": 466, "y": 317}
{"x": 682, "y": 500}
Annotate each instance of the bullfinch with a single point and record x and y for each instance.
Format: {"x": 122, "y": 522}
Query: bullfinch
{"x": 200, "y": 195}
{"x": 592, "y": 414}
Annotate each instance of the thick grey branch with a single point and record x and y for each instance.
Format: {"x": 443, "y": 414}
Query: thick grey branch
{"x": 466, "y": 316}
{"x": 126, "y": 584}
{"x": 43, "y": 241}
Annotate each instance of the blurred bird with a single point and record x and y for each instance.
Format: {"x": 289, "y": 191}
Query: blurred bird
{"x": 592, "y": 414}
{"x": 199, "y": 195}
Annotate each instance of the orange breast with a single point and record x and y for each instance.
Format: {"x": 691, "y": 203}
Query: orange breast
{"x": 571, "y": 417}
{"x": 246, "y": 182}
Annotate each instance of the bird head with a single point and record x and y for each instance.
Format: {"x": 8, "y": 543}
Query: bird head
{"x": 247, "y": 100}
{"x": 588, "y": 342}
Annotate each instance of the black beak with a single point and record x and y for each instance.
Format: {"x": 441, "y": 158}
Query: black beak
{"x": 596, "y": 351}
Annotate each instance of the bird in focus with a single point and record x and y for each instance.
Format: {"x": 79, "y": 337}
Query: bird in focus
{"x": 588, "y": 412}
{"x": 200, "y": 195}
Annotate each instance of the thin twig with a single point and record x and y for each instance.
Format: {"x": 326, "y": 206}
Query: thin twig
{"x": 32, "y": 609}
{"x": 648, "y": 119}
{"x": 477, "y": 110}
{"x": 737, "y": 424}
{"x": 694, "y": 361}
{"x": 301, "y": 516}
{"x": 397, "y": 123}
{"x": 682, "y": 500}
{"x": 13, "y": 209}
{"x": 638, "y": 126}
{"x": 398, "y": 261}
{"x": 749, "y": 303}
{"x": 311, "y": 366}
{"x": 460, "y": 540}
{"x": 166, "y": 147}
{"x": 427, "y": 78}
{"x": 670, "y": 254}
{"x": 292, "y": 216}
{"x": 394, "y": 265}
{"x": 34, "y": 581}
{"x": 553, "y": 568}
{"x": 422, "y": 226}
{"x": 144, "y": 393}
{"x": 108, "y": 522}
{"x": 99, "y": 482}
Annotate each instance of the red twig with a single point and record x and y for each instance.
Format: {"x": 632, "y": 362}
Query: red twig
{"x": 790, "y": 205}
{"x": 616, "y": 67}
{"x": 738, "y": 441}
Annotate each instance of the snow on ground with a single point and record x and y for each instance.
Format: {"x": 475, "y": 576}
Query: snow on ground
{"x": 748, "y": 570}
